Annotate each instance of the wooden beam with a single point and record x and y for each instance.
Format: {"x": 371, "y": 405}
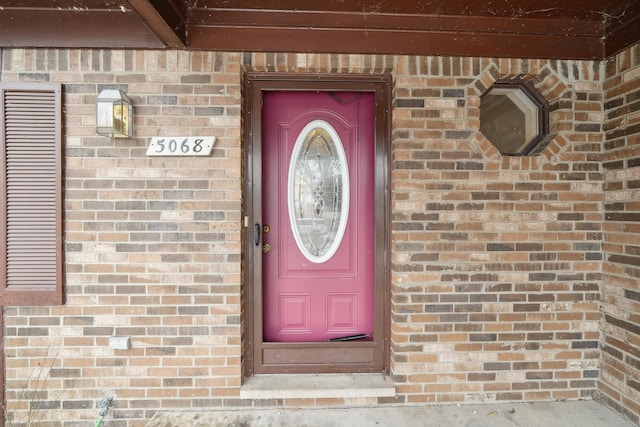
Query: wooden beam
{"x": 75, "y": 29}
{"x": 312, "y": 40}
{"x": 332, "y": 32}
{"x": 360, "y": 21}
{"x": 165, "y": 18}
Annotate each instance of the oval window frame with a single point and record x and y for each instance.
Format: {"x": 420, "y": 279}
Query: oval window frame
{"x": 344, "y": 215}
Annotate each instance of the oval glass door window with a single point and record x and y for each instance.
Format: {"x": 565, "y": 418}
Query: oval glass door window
{"x": 318, "y": 194}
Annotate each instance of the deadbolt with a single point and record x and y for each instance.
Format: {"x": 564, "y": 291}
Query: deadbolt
{"x": 266, "y": 228}
{"x": 266, "y": 248}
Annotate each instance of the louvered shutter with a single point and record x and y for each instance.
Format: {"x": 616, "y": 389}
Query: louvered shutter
{"x": 32, "y": 200}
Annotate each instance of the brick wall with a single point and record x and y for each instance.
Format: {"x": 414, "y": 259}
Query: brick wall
{"x": 620, "y": 382}
{"x": 152, "y": 243}
{"x": 497, "y": 262}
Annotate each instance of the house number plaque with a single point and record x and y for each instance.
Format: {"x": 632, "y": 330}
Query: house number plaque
{"x": 181, "y": 146}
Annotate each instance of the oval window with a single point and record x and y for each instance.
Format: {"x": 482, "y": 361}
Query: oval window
{"x": 318, "y": 193}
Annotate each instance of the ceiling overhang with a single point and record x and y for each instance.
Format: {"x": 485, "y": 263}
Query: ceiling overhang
{"x": 558, "y": 29}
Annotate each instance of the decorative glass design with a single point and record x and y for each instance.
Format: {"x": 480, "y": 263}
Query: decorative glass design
{"x": 318, "y": 194}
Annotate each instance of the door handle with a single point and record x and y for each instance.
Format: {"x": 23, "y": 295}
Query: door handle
{"x": 256, "y": 234}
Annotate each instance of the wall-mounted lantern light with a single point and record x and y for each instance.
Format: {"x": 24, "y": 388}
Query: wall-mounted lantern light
{"x": 114, "y": 114}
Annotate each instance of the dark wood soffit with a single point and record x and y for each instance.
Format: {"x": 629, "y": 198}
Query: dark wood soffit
{"x": 145, "y": 24}
{"x": 80, "y": 29}
{"x": 559, "y": 9}
{"x": 401, "y": 43}
{"x": 565, "y": 31}
{"x": 278, "y": 31}
{"x": 557, "y": 29}
{"x": 621, "y": 34}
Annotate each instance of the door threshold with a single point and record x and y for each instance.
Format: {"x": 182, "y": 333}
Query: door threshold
{"x": 317, "y": 386}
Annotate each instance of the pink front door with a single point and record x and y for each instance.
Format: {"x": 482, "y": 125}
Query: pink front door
{"x": 318, "y": 216}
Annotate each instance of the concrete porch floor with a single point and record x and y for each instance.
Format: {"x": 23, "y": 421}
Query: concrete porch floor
{"x": 538, "y": 414}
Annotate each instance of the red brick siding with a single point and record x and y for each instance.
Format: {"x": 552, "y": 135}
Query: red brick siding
{"x": 497, "y": 262}
{"x": 620, "y": 381}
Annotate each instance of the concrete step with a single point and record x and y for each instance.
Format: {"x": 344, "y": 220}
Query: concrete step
{"x": 317, "y": 386}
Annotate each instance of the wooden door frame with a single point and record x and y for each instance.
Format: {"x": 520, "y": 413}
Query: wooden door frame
{"x": 306, "y": 357}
